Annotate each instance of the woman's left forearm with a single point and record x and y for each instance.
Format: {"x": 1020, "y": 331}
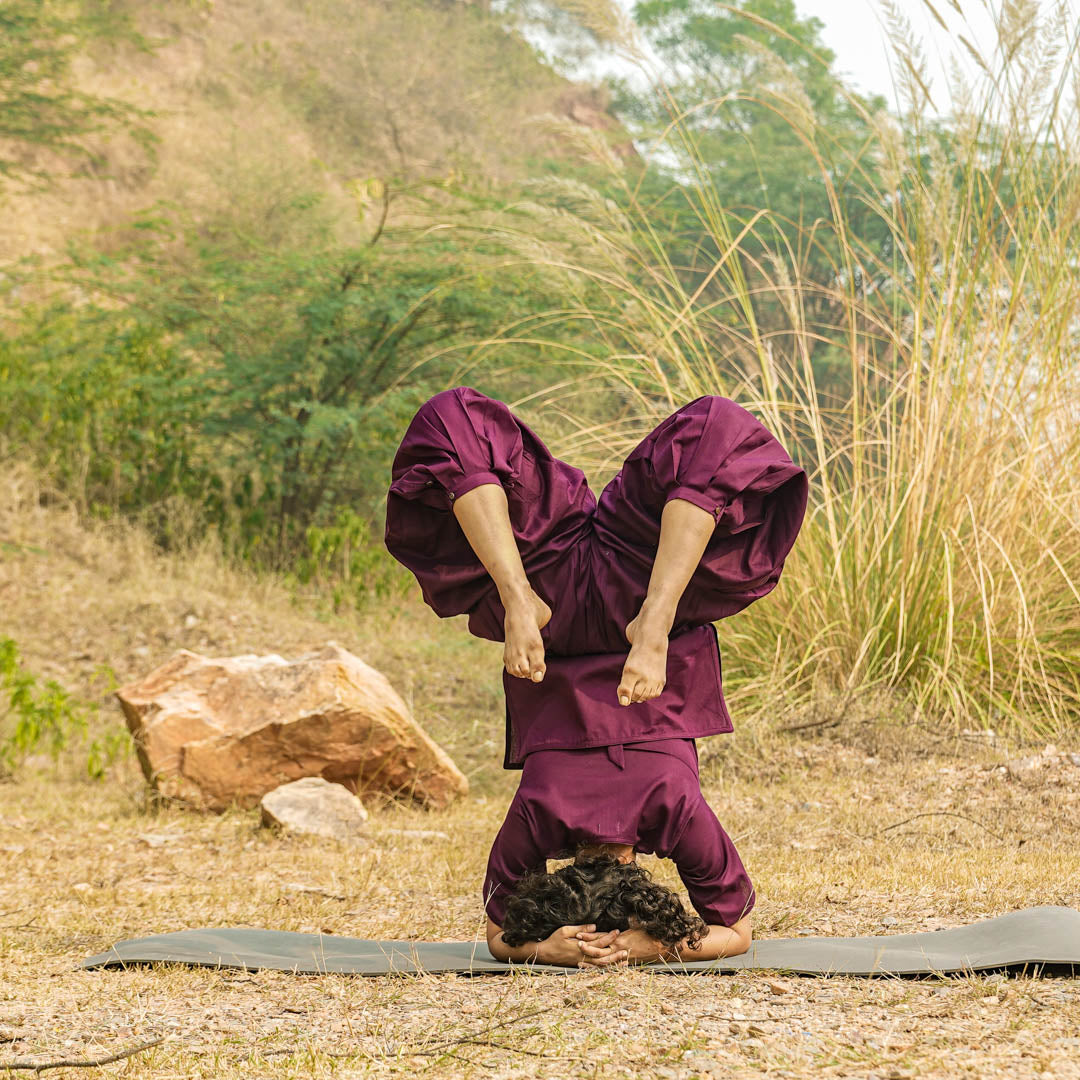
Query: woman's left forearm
{"x": 509, "y": 954}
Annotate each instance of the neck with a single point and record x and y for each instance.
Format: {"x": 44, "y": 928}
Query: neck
{"x": 623, "y": 852}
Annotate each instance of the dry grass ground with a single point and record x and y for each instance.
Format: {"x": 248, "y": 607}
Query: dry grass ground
{"x": 868, "y": 827}
{"x": 88, "y": 864}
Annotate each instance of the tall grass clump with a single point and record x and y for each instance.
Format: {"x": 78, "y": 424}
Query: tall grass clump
{"x": 939, "y": 561}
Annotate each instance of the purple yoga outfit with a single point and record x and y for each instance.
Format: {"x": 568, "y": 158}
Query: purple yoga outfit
{"x": 590, "y": 560}
{"x": 646, "y": 795}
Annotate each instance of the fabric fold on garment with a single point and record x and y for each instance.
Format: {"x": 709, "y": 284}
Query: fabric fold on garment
{"x": 576, "y": 704}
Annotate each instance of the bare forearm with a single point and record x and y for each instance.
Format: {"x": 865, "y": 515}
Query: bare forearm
{"x": 562, "y": 948}
{"x": 520, "y": 954}
{"x": 720, "y": 941}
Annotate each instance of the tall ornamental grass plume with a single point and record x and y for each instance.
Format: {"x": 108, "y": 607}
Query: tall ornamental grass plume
{"x": 939, "y": 293}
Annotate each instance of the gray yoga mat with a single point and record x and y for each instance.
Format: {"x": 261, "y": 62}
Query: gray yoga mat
{"x": 1032, "y": 940}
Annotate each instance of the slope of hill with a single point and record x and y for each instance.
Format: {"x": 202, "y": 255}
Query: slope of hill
{"x": 256, "y": 103}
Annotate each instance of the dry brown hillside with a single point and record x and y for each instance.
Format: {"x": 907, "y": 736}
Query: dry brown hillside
{"x": 256, "y": 103}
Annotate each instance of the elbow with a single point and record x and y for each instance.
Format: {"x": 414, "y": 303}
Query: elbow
{"x": 722, "y": 941}
{"x": 499, "y": 951}
{"x": 496, "y": 946}
{"x": 741, "y": 936}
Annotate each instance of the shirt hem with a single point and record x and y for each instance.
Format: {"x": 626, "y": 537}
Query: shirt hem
{"x": 665, "y": 736}
{"x": 516, "y": 748}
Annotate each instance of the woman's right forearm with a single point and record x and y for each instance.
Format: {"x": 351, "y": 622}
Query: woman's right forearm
{"x": 719, "y": 942}
{"x": 562, "y": 948}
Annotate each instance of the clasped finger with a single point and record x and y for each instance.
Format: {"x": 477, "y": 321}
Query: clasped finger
{"x": 605, "y": 961}
{"x": 595, "y": 950}
{"x": 605, "y": 937}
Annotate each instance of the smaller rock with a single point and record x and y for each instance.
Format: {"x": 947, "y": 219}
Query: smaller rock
{"x": 1019, "y": 768}
{"x": 313, "y": 806}
{"x": 778, "y": 987}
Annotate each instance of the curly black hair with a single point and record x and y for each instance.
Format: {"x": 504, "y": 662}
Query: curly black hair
{"x": 601, "y": 890}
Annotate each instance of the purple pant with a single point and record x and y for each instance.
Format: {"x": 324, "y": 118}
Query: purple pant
{"x": 590, "y": 559}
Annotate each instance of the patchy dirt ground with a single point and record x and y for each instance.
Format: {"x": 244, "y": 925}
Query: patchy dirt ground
{"x": 871, "y": 826}
{"x": 857, "y": 836}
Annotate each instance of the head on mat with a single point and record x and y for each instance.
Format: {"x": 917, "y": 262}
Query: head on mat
{"x": 604, "y": 887}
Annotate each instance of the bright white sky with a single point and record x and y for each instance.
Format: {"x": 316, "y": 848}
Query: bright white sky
{"x": 855, "y": 31}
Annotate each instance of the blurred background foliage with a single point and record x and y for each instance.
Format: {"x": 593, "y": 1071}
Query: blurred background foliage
{"x": 241, "y": 243}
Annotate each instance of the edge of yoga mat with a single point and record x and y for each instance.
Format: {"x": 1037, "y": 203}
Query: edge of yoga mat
{"x": 1033, "y": 938}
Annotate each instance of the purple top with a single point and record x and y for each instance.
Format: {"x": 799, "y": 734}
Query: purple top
{"x": 593, "y": 770}
{"x": 576, "y": 705}
{"x": 647, "y": 795}
{"x": 590, "y": 558}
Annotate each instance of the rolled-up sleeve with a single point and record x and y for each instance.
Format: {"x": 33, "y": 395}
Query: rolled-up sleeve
{"x": 718, "y": 456}
{"x": 458, "y": 440}
{"x": 711, "y": 869}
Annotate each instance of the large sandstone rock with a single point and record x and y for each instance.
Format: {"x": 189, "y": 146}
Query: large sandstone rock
{"x": 315, "y": 807}
{"x": 216, "y": 732}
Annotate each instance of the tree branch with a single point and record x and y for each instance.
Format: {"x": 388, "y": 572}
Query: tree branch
{"x": 81, "y": 1063}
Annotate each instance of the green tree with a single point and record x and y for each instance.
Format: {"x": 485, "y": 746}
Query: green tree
{"x": 265, "y": 387}
{"x": 778, "y": 132}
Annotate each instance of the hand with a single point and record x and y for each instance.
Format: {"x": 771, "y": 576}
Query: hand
{"x": 600, "y": 950}
{"x": 565, "y": 946}
{"x": 637, "y": 947}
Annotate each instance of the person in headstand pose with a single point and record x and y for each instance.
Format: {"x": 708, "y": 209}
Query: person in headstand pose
{"x": 612, "y": 669}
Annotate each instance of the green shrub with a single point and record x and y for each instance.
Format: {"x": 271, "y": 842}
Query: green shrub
{"x": 345, "y": 559}
{"x": 43, "y": 715}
